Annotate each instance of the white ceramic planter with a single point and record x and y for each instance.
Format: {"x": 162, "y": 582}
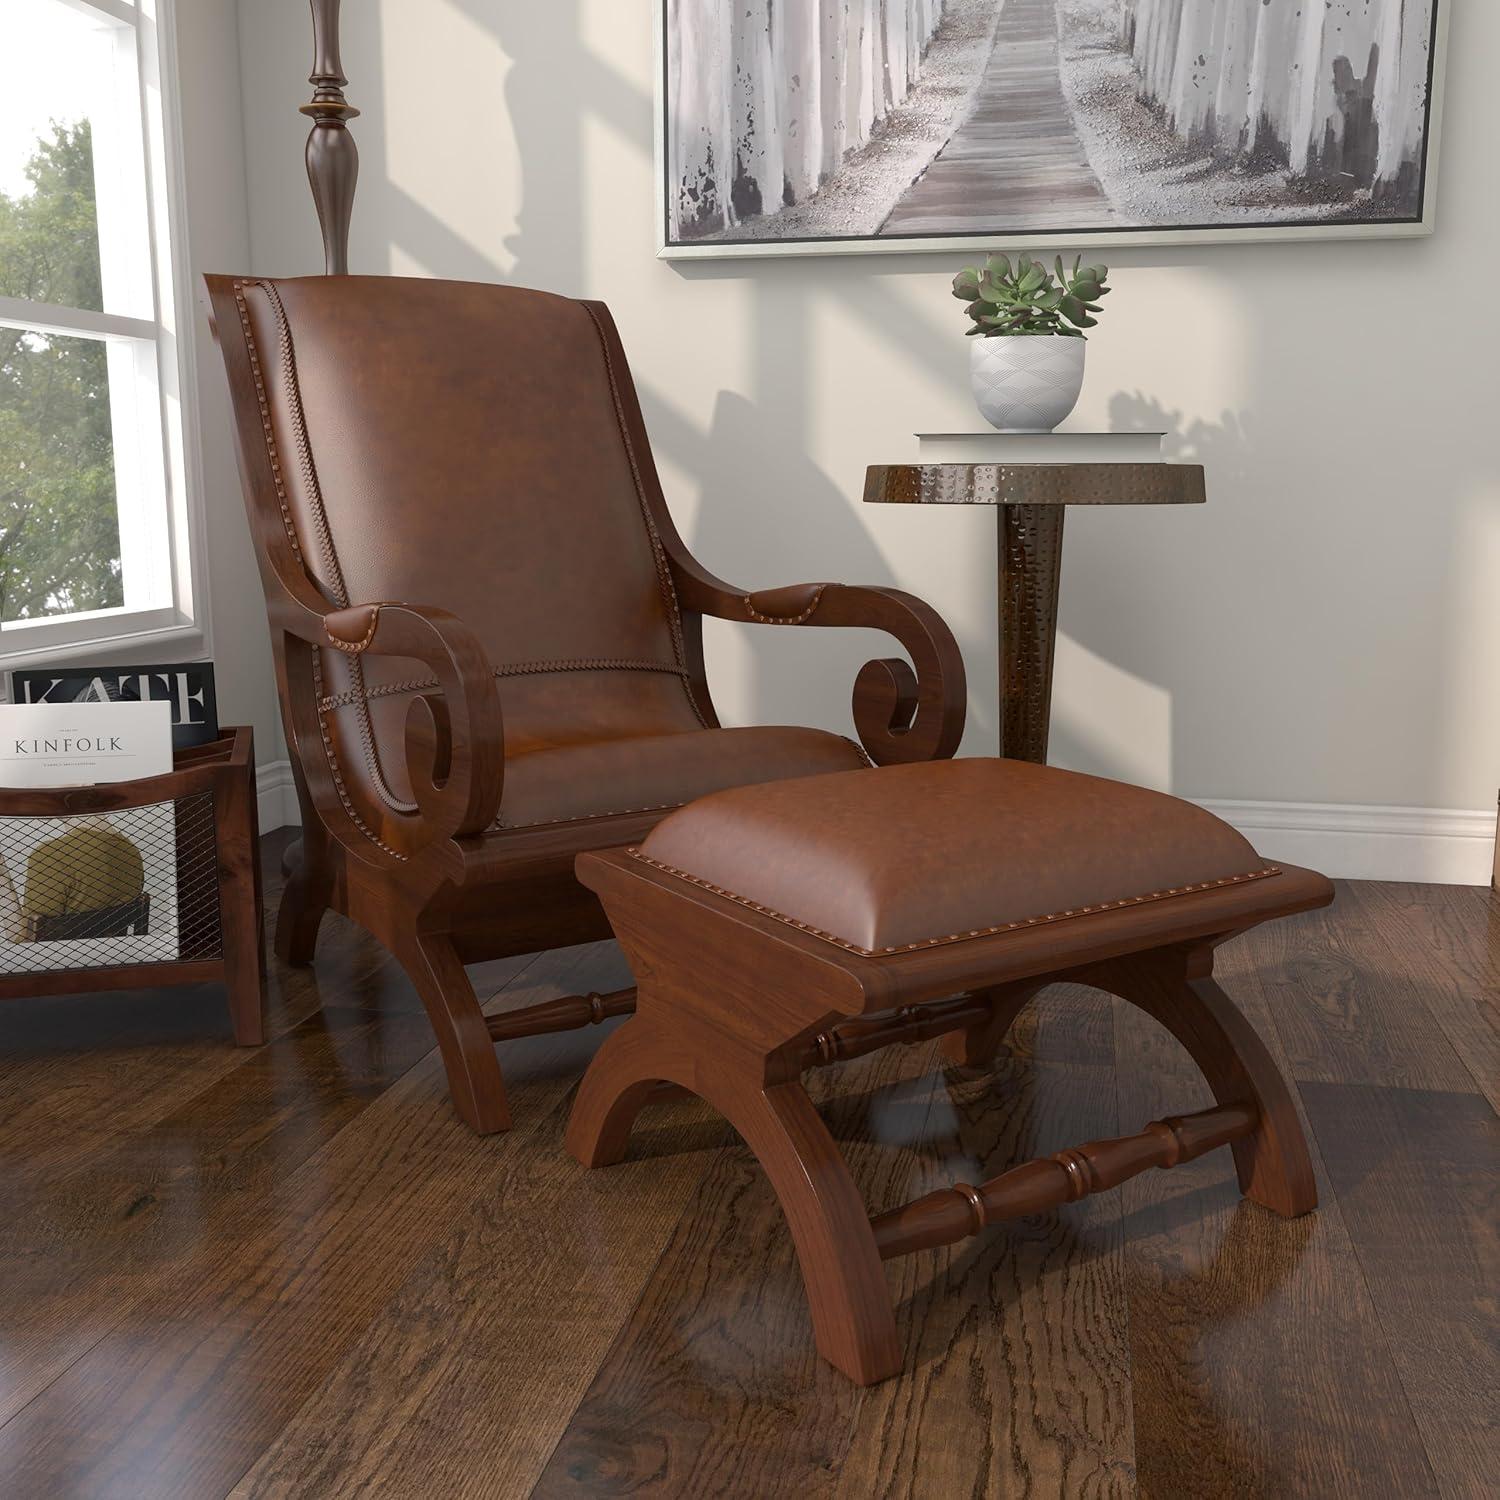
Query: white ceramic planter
{"x": 1026, "y": 384}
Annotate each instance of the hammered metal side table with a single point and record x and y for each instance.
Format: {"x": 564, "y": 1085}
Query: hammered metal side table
{"x": 1030, "y": 493}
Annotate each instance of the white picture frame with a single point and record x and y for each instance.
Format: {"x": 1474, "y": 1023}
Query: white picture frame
{"x": 673, "y": 245}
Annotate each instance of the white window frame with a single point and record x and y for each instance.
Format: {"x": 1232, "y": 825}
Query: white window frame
{"x": 158, "y": 460}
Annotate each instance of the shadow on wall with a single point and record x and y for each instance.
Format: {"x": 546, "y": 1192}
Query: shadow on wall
{"x": 1230, "y": 646}
{"x": 751, "y": 472}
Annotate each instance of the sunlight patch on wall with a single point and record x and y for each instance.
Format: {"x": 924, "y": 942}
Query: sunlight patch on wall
{"x": 465, "y": 188}
{"x": 1470, "y": 735}
{"x": 1108, "y": 721}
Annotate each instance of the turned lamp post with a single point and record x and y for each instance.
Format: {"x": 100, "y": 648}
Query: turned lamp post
{"x": 332, "y": 156}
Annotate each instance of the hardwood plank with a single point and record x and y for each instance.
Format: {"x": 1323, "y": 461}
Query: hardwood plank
{"x": 220, "y": 1347}
{"x": 1413, "y": 1168}
{"x": 1020, "y": 1375}
{"x": 290, "y": 1271}
{"x": 714, "y": 1387}
{"x": 1444, "y": 942}
{"x": 1416, "y": 1176}
{"x": 77, "y": 1071}
{"x": 1345, "y": 1010}
{"x": 1259, "y": 1364}
{"x": 520, "y": 1302}
{"x": 79, "y": 1247}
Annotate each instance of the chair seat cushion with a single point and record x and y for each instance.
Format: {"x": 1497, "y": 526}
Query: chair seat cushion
{"x": 647, "y": 773}
{"x": 914, "y": 856}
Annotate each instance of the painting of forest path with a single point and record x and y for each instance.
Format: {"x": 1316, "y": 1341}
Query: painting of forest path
{"x": 865, "y": 122}
{"x": 1017, "y": 145}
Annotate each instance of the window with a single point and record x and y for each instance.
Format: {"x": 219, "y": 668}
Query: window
{"x": 93, "y": 521}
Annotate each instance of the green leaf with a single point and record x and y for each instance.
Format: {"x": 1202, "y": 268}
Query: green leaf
{"x": 998, "y": 268}
{"x": 1085, "y": 291}
{"x": 966, "y": 284}
{"x": 1034, "y": 278}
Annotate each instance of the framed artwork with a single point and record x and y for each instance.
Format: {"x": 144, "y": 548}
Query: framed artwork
{"x": 805, "y": 126}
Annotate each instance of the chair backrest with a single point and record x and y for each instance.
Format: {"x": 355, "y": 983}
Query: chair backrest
{"x": 474, "y": 447}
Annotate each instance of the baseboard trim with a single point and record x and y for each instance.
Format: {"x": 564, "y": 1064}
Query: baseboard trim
{"x": 276, "y": 796}
{"x": 1427, "y": 845}
{"x": 1435, "y": 846}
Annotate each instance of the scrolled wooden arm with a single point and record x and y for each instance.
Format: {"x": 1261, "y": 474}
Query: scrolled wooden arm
{"x": 900, "y": 715}
{"x": 455, "y": 740}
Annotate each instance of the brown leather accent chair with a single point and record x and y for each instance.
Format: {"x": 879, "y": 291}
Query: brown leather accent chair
{"x": 488, "y": 634}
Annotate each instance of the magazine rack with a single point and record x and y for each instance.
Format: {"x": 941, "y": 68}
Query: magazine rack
{"x": 193, "y": 911}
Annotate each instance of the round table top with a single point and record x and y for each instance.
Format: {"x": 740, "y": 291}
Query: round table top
{"x": 1034, "y": 484}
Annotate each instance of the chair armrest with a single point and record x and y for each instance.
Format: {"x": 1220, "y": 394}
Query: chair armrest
{"x": 455, "y": 744}
{"x": 900, "y": 715}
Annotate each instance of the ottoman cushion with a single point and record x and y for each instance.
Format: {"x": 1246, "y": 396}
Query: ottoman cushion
{"x": 884, "y": 861}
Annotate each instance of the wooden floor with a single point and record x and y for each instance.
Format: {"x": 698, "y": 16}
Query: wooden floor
{"x": 1016, "y": 161}
{"x": 291, "y": 1272}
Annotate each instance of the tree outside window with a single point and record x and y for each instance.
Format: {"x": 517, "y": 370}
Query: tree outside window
{"x": 59, "y": 530}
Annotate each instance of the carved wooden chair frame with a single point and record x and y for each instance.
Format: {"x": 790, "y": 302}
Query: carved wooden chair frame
{"x": 409, "y": 878}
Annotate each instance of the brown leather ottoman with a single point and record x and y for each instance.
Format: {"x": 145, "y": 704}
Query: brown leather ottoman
{"x": 775, "y": 928}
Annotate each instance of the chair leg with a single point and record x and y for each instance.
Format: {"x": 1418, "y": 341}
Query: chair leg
{"x": 1273, "y": 1164}
{"x": 853, "y": 1322}
{"x": 468, "y": 1053}
{"x": 978, "y": 1045}
{"x": 308, "y": 894}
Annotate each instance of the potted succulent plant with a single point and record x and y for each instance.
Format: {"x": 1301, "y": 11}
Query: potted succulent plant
{"x": 1026, "y": 361}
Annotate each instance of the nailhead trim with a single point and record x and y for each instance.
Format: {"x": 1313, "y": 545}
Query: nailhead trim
{"x": 952, "y": 937}
{"x": 298, "y": 419}
{"x": 274, "y": 458}
{"x": 337, "y": 772}
{"x": 614, "y": 812}
{"x": 324, "y": 534}
{"x": 349, "y": 697}
{"x": 801, "y": 619}
{"x": 265, "y": 422}
{"x": 354, "y": 648}
{"x": 663, "y": 567}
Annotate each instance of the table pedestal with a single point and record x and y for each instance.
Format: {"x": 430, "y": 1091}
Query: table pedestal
{"x": 1030, "y": 564}
{"x": 1031, "y": 479}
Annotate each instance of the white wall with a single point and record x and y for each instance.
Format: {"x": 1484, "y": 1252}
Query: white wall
{"x": 1325, "y": 631}
{"x": 219, "y": 240}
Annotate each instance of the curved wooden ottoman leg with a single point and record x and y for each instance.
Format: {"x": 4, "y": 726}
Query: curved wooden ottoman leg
{"x": 853, "y": 1322}
{"x": 1273, "y": 1164}
{"x": 464, "y": 1040}
{"x": 615, "y": 1087}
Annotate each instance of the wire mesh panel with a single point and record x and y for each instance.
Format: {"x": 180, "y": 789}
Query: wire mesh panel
{"x": 137, "y": 885}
